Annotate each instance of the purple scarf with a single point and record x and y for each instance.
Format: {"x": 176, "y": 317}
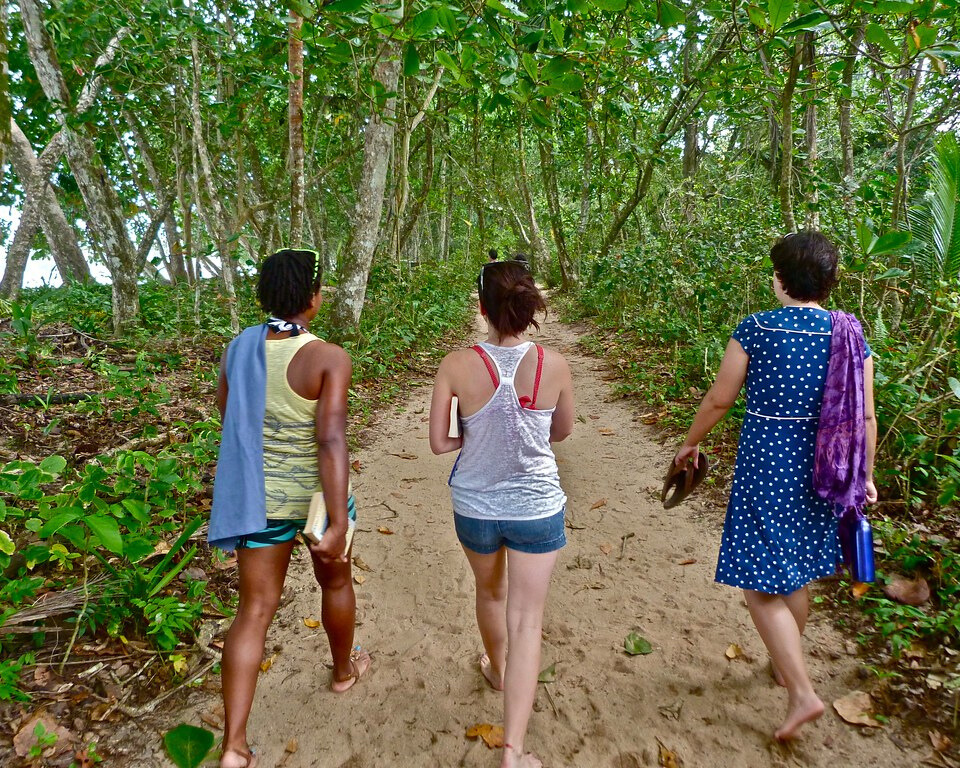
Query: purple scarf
{"x": 840, "y": 460}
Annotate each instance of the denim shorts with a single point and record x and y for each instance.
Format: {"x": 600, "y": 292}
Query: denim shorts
{"x": 544, "y": 534}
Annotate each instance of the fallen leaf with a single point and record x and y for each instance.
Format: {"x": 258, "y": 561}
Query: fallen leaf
{"x": 859, "y": 589}
{"x": 636, "y": 645}
{"x": 671, "y": 710}
{"x": 940, "y": 742}
{"x": 734, "y": 651}
{"x": 606, "y": 432}
{"x": 914, "y": 653}
{"x": 384, "y": 530}
{"x": 358, "y": 562}
{"x": 688, "y": 561}
{"x": 265, "y": 665}
{"x": 855, "y": 708}
{"x": 41, "y": 674}
{"x": 492, "y": 735}
{"x": 356, "y": 465}
{"x": 26, "y": 737}
{"x": 935, "y": 682}
{"x": 908, "y": 591}
{"x": 311, "y": 623}
{"x": 594, "y": 416}
{"x": 226, "y": 564}
{"x": 548, "y": 675}
{"x": 667, "y": 757}
{"x": 598, "y": 504}
{"x": 359, "y": 578}
{"x": 82, "y": 759}
{"x": 292, "y": 746}
{"x": 606, "y": 549}
{"x": 404, "y": 455}
{"x": 212, "y": 719}
{"x": 179, "y": 664}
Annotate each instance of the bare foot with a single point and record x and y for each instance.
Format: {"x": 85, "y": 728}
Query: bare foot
{"x": 236, "y": 758}
{"x": 802, "y": 711}
{"x": 514, "y": 759}
{"x": 486, "y": 667}
{"x": 360, "y": 662}
{"x": 775, "y": 674}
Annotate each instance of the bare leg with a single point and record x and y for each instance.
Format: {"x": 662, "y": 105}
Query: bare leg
{"x": 528, "y": 583}
{"x": 781, "y": 635}
{"x": 799, "y": 604}
{"x": 262, "y": 572}
{"x": 490, "y": 573}
{"x": 339, "y": 614}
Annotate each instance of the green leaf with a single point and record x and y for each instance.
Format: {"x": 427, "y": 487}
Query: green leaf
{"x": 890, "y": 6}
{"x": 568, "y": 83}
{"x": 380, "y": 22}
{"x": 757, "y": 17}
{"x": 954, "y": 387}
{"x": 530, "y": 65}
{"x": 423, "y": 23}
{"x": 447, "y": 61}
{"x": 188, "y": 745}
{"x": 138, "y": 509}
{"x": 557, "y": 66}
{"x": 890, "y": 243}
{"x": 344, "y": 6}
{"x": 507, "y": 8}
{"x": 635, "y": 645}
{"x": 548, "y": 675}
{"x": 610, "y": 5}
{"x": 779, "y": 11}
{"x": 53, "y": 465}
{"x": 7, "y": 546}
{"x": 805, "y": 23}
{"x": 468, "y": 57}
{"x": 57, "y": 522}
{"x": 927, "y": 34}
{"x": 558, "y": 30}
{"x": 670, "y": 15}
{"x": 448, "y": 20}
{"x": 892, "y": 273}
{"x": 878, "y": 36}
{"x": 107, "y": 532}
{"x": 411, "y": 60}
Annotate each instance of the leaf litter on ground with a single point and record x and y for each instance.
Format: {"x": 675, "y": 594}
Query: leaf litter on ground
{"x": 636, "y": 645}
{"x": 492, "y": 735}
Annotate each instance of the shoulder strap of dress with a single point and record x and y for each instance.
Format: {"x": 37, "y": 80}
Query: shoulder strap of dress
{"x": 487, "y": 362}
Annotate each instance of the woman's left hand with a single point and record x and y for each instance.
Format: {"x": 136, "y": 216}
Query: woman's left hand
{"x": 686, "y": 452}
{"x": 871, "y": 492}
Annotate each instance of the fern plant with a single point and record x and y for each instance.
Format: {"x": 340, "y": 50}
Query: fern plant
{"x": 936, "y": 222}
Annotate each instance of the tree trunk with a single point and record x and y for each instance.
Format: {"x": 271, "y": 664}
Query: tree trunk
{"x": 846, "y": 128}
{"x": 447, "y": 210}
{"x": 377, "y": 140}
{"x": 773, "y": 126}
{"x": 6, "y": 113}
{"x": 548, "y": 172}
{"x": 812, "y": 218}
{"x": 217, "y": 221}
{"x": 61, "y": 237}
{"x": 585, "y": 183}
{"x": 898, "y": 204}
{"x": 541, "y": 254}
{"x": 102, "y": 202}
{"x": 786, "y": 150}
{"x": 295, "y": 112}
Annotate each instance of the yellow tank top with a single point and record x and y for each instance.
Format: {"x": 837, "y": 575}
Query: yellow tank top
{"x": 289, "y": 436}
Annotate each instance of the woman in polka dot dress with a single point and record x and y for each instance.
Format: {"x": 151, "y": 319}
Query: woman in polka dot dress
{"x": 778, "y": 535}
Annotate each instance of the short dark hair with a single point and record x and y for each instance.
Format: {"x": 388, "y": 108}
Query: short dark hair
{"x": 509, "y": 297}
{"x": 288, "y": 280}
{"x": 806, "y": 263}
{"x": 492, "y": 253}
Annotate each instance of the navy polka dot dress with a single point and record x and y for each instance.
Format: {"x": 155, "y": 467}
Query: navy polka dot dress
{"x": 778, "y": 534}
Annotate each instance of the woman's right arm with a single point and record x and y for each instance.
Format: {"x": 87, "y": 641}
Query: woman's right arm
{"x": 440, "y": 441}
{"x": 870, "y": 422}
{"x": 718, "y": 400}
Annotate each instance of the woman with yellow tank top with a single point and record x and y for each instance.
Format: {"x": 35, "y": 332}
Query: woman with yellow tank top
{"x": 303, "y": 404}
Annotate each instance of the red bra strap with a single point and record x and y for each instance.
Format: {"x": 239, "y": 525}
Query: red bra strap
{"x": 486, "y": 361}
{"x": 536, "y": 380}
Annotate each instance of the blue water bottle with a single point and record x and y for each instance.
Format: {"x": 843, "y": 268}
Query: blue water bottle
{"x": 862, "y": 569}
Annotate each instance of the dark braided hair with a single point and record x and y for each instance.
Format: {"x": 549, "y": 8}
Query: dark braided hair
{"x": 509, "y": 297}
{"x": 289, "y": 279}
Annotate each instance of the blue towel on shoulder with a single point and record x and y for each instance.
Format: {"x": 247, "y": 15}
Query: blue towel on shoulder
{"x": 239, "y": 499}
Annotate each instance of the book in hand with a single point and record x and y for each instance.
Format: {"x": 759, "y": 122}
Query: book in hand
{"x": 454, "y": 430}
{"x": 317, "y": 522}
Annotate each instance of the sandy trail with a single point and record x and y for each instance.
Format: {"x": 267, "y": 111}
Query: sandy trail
{"x": 415, "y": 614}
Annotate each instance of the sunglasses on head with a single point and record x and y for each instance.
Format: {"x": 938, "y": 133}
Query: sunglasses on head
{"x": 521, "y": 262}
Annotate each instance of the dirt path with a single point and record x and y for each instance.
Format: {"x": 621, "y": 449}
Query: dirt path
{"x": 605, "y": 708}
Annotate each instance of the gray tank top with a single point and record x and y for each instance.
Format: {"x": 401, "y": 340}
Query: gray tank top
{"x": 506, "y": 468}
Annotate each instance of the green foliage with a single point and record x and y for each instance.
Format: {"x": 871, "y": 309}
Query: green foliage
{"x": 188, "y": 745}
{"x": 10, "y": 677}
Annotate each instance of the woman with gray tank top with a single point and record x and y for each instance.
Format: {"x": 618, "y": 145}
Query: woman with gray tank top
{"x": 515, "y": 399}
